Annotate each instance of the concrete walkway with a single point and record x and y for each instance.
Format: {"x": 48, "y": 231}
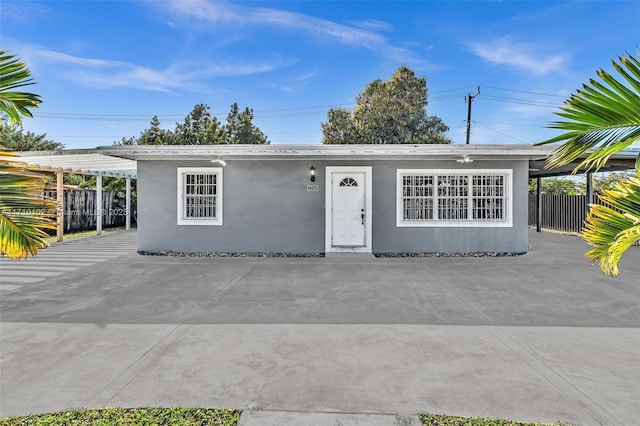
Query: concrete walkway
{"x": 333, "y": 341}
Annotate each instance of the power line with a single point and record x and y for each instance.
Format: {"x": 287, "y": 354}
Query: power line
{"x": 307, "y": 110}
{"x": 518, "y": 101}
{"x": 506, "y": 123}
{"x": 524, "y": 91}
{"x": 267, "y": 113}
{"x": 500, "y": 133}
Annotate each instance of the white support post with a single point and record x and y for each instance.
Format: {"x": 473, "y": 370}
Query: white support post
{"x": 59, "y": 206}
{"x": 99, "y": 204}
{"x": 539, "y": 204}
{"x": 128, "y": 205}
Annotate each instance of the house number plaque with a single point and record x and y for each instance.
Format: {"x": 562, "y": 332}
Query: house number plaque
{"x": 313, "y": 188}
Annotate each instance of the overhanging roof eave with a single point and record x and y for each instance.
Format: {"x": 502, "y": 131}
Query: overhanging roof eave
{"x": 82, "y": 162}
{"x": 286, "y": 152}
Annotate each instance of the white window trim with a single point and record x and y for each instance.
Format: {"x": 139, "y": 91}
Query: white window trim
{"x": 506, "y": 223}
{"x": 182, "y": 171}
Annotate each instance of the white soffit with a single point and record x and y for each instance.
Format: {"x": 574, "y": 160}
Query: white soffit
{"x": 79, "y": 161}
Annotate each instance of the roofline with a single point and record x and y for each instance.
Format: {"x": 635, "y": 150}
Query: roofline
{"x": 381, "y": 152}
{"x": 77, "y": 161}
{"x": 72, "y": 151}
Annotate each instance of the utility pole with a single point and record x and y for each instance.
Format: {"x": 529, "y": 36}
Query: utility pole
{"x": 469, "y": 99}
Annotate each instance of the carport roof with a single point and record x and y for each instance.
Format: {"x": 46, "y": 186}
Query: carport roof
{"x": 79, "y": 161}
{"x": 623, "y": 160}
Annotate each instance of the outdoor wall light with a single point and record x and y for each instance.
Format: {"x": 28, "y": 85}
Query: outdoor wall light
{"x": 219, "y": 161}
{"x": 312, "y": 174}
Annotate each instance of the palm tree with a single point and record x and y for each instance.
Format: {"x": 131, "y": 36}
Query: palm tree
{"x": 24, "y": 212}
{"x": 15, "y": 74}
{"x": 601, "y": 119}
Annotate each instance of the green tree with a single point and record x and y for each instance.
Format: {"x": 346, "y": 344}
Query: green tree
{"x": 601, "y": 119}
{"x": 154, "y": 135}
{"x": 340, "y": 127}
{"x": 240, "y": 128}
{"x": 127, "y": 141}
{"x": 24, "y": 213}
{"x": 13, "y": 75}
{"x": 387, "y": 112}
{"x": 558, "y": 186}
{"x": 14, "y": 138}
{"x": 201, "y": 128}
{"x": 609, "y": 182}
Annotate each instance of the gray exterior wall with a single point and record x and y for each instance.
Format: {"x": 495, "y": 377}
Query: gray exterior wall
{"x": 267, "y": 209}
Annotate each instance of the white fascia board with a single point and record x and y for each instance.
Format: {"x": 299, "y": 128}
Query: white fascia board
{"x": 250, "y": 152}
{"x": 84, "y": 164}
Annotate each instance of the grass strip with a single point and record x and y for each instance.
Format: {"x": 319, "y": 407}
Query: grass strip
{"x": 131, "y": 417}
{"x": 443, "y": 420}
{"x": 82, "y": 234}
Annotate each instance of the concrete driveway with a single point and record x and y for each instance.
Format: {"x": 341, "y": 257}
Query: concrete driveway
{"x": 539, "y": 337}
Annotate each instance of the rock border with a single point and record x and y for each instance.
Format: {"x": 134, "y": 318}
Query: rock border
{"x": 225, "y": 254}
{"x": 318, "y": 255}
{"x": 470, "y": 254}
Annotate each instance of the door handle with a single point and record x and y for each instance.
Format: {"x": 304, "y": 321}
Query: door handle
{"x": 362, "y": 215}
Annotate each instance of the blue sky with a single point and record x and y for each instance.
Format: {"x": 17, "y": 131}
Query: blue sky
{"x": 104, "y": 68}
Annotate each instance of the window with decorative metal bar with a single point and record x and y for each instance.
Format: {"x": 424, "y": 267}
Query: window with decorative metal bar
{"x": 454, "y": 198}
{"x": 199, "y": 196}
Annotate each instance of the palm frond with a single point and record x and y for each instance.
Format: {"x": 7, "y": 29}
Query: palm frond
{"x": 614, "y": 227}
{"x": 25, "y": 213}
{"x": 601, "y": 119}
{"x": 13, "y": 75}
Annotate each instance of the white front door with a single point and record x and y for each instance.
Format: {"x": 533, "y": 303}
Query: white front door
{"x": 348, "y": 212}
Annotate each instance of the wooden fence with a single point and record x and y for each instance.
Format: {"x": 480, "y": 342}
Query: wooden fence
{"x": 80, "y": 209}
{"x": 561, "y": 212}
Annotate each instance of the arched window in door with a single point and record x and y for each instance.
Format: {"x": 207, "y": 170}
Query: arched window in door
{"x": 348, "y": 182}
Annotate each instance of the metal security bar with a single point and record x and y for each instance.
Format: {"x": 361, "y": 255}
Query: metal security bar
{"x": 200, "y": 196}
{"x": 453, "y": 198}
{"x": 417, "y": 198}
{"x": 465, "y": 198}
{"x": 488, "y": 197}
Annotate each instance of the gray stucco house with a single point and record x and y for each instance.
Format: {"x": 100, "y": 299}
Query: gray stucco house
{"x": 308, "y": 199}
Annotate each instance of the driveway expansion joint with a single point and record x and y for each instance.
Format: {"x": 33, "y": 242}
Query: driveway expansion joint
{"x": 104, "y": 397}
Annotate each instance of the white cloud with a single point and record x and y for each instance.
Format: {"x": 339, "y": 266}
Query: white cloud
{"x": 519, "y": 55}
{"x": 373, "y": 25}
{"x": 294, "y": 83}
{"x": 24, "y": 12}
{"x": 107, "y": 74}
{"x": 307, "y": 76}
{"x": 282, "y": 87}
{"x": 54, "y": 56}
{"x": 363, "y": 34}
{"x": 534, "y": 111}
{"x": 406, "y": 56}
{"x": 223, "y": 12}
